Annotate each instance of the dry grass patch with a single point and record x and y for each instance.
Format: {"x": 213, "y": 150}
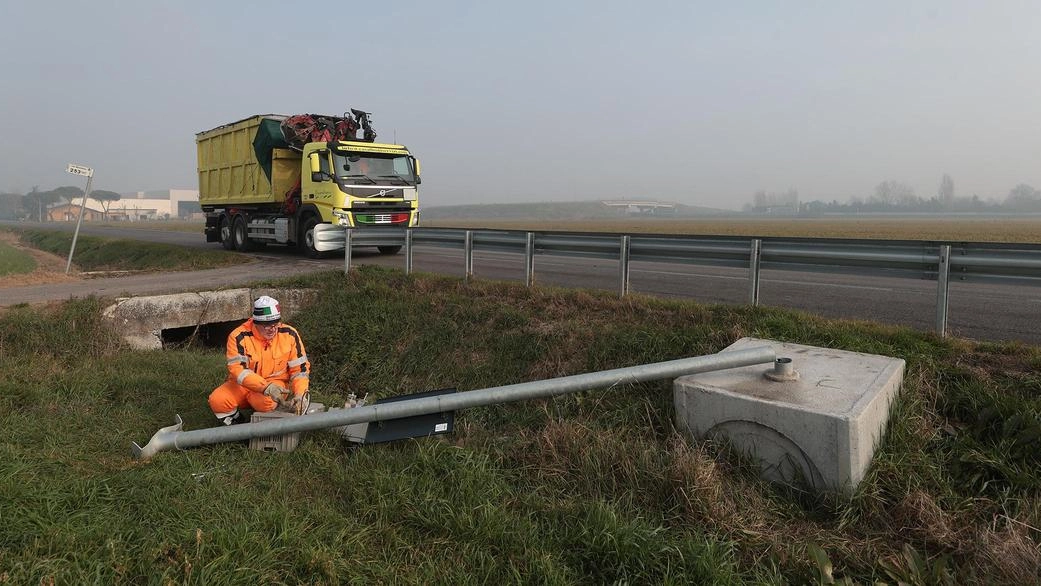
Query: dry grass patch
{"x": 50, "y": 268}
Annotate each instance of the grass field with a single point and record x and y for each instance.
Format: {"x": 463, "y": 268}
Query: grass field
{"x": 14, "y": 261}
{"x": 592, "y": 488}
{"x": 1024, "y": 230}
{"x": 979, "y": 229}
{"x": 112, "y": 254}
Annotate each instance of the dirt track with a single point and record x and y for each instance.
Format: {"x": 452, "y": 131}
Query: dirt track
{"x": 49, "y": 283}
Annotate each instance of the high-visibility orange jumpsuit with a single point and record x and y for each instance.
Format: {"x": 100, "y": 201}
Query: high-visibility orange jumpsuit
{"x": 254, "y": 362}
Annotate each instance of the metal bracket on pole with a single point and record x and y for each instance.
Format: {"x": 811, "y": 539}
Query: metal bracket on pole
{"x": 347, "y": 250}
{"x": 943, "y": 272}
{"x": 408, "y": 251}
{"x": 623, "y": 264}
{"x": 755, "y": 257}
{"x": 468, "y": 254}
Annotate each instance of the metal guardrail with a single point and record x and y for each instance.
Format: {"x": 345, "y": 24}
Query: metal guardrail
{"x": 936, "y": 261}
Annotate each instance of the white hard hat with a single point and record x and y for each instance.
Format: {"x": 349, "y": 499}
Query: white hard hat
{"x": 266, "y": 309}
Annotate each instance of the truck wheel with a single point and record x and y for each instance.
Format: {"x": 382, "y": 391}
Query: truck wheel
{"x": 388, "y": 250}
{"x": 241, "y": 235}
{"x": 307, "y": 237}
{"x": 225, "y": 234}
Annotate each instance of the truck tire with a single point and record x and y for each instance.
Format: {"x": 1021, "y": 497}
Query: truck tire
{"x": 240, "y": 234}
{"x": 225, "y": 233}
{"x": 307, "y": 237}
{"x": 388, "y": 250}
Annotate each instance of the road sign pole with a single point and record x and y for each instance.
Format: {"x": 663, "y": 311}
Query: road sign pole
{"x": 78, "y": 170}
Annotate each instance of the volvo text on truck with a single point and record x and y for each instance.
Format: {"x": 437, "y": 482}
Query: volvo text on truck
{"x": 300, "y": 180}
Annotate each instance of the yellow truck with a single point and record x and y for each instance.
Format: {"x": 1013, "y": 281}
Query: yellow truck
{"x": 300, "y": 180}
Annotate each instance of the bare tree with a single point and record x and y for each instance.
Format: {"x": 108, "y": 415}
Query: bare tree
{"x": 1024, "y": 197}
{"x": 946, "y": 192}
{"x": 892, "y": 193}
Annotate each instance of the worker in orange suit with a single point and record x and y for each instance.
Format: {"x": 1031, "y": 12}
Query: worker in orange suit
{"x": 267, "y": 366}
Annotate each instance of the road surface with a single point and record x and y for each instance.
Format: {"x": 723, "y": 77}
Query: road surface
{"x": 978, "y": 311}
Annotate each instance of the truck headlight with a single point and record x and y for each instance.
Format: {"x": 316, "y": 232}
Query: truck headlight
{"x": 342, "y": 217}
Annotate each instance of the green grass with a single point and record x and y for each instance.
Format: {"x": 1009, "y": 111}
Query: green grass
{"x": 591, "y": 488}
{"x": 113, "y": 254}
{"x": 14, "y": 261}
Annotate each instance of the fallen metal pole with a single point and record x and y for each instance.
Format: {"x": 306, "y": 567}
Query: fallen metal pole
{"x": 173, "y": 438}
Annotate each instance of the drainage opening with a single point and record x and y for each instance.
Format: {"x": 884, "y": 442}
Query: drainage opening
{"x": 212, "y": 335}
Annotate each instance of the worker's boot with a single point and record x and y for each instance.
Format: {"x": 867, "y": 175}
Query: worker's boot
{"x": 236, "y": 417}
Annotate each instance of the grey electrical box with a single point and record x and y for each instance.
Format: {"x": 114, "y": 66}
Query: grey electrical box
{"x": 405, "y": 427}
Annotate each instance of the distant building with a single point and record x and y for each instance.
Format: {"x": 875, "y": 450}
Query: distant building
{"x": 170, "y": 204}
{"x": 70, "y": 212}
{"x": 635, "y": 207}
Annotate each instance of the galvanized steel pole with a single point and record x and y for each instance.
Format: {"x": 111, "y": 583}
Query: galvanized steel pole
{"x": 79, "y": 221}
{"x": 943, "y": 271}
{"x": 408, "y": 251}
{"x": 347, "y": 237}
{"x": 623, "y": 265}
{"x": 529, "y": 259}
{"x": 173, "y": 438}
{"x": 468, "y": 254}
{"x": 755, "y": 258}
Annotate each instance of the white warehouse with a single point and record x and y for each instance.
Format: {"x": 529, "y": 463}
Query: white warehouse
{"x": 155, "y": 205}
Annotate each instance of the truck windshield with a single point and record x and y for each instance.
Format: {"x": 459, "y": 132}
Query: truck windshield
{"x": 371, "y": 168}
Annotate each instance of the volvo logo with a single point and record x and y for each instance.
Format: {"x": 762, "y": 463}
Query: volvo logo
{"x": 383, "y": 192}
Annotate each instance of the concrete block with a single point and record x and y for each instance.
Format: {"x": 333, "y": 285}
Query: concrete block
{"x": 821, "y": 429}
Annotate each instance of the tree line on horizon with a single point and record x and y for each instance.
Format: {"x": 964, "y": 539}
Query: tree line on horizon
{"x": 895, "y": 196}
{"x": 34, "y": 205}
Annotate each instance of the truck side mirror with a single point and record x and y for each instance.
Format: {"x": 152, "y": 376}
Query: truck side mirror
{"x": 316, "y": 167}
{"x": 415, "y": 163}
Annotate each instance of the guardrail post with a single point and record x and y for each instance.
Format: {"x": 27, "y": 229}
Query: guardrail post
{"x": 755, "y": 255}
{"x": 529, "y": 260}
{"x": 468, "y": 254}
{"x": 408, "y": 251}
{"x": 623, "y": 264}
{"x": 347, "y": 251}
{"x": 943, "y": 272}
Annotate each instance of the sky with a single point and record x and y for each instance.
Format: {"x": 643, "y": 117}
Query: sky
{"x": 699, "y": 103}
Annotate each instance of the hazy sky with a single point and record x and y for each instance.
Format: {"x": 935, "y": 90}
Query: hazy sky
{"x": 702, "y": 103}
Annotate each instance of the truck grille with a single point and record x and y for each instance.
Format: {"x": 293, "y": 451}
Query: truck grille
{"x": 396, "y": 218}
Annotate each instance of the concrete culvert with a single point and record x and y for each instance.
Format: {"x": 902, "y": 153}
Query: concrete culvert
{"x": 206, "y": 317}
{"x": 212, "y": 335}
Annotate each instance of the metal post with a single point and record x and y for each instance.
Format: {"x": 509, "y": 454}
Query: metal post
{"x": 347, "y": 238}
{"x": 623, "y": 264}
{"x": 943, "y": 271}
{"x": 468, "y": 253}
{"x": 83, "y": 203}
{"x": 173, "y": 438}
{"x": 529, "y": 260}
{"x": 755, "y": 256}
{"x": 408, "y": 251}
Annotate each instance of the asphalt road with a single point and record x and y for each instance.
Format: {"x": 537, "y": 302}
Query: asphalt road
{"x": 977, "y": 311}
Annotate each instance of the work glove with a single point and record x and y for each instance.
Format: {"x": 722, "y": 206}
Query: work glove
{"x": 275, "y": 391}
{"x": 298, "y": 402}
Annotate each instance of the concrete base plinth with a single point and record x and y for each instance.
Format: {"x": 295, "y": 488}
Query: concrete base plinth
{"x": 820, "y": 429}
